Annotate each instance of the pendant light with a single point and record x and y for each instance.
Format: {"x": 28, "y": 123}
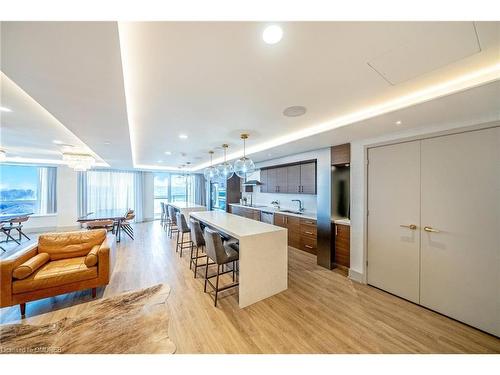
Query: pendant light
{"x": 211, "y": 172}
{"x": 244, "y": 166}
{"x": 225, "y": 169}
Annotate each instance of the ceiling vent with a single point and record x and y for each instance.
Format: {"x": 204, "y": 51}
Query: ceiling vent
{"x": 294, "y": 111}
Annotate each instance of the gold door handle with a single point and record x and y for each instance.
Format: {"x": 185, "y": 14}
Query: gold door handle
{"x": 411, "y": 226}
{"x": 430, "y": 229}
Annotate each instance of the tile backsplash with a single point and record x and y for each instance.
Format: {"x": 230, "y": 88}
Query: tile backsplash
{"x": 308, "y": 200}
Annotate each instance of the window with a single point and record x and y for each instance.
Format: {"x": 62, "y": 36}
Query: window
{"x": 161, "y": 190}
{"x": 27, "y": 189}
{"x": 108, "y": 190}
{"x": 170, "y": 187}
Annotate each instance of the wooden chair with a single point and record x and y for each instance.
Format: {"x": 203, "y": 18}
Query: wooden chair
{"x": 126, "y": 224}
{"x": 17, "y": 224}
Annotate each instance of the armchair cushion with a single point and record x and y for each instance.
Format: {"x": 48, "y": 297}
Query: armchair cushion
{"x": 31, "y": 265}
{"x": 91, "y": 258}
{"x": 70, "y": 244}
{"x": 54, "y": 274}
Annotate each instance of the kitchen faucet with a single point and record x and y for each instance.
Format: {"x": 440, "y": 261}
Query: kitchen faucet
{"x": 276, "y": 204}
{"x": 301, "y": 207}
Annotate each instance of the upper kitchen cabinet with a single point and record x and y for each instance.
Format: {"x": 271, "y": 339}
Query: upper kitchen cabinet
{"x": 341, "y": 154}
{"x": 293, "y": 179}
{"x": 264, "y": 188}
{"x": 299, "y": 178}
{"x": 308, "y": 178}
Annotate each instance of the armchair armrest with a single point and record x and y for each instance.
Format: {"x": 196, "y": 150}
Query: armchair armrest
{"x": 7, "y": 267}
{"x": 103, "y": 262}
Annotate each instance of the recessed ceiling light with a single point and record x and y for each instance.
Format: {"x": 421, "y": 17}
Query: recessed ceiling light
{"x": 168, "y": 152}
{"x": 294, "y": 111}
{"x": 272, "y": 34}
{"x": 160, "y": 161}
{"x": 57, "y": 142}
{"x": 107, "y": 143}
{"x": 5, "y": 109}
{"x": 399, "y": 122}
{"x": 269, "y": 154}
{"x": 183, "y": 136}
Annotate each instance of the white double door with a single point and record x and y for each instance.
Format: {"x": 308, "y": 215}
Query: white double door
{"x": 434, "y": 224}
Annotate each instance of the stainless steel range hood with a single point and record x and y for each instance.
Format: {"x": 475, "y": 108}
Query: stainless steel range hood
{"x": 252, "y": 183}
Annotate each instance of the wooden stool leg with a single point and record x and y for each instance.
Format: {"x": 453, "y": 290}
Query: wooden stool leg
{"x": 22, "y": 307}
{"x": 206, "y": 276}
{"x": 94, "y": 292}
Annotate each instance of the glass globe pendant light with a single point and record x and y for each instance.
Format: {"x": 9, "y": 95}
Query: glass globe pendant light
{"x": 225, "y": 169}
{"x": 244, "y": 166}
{"x": 211, "y": 172}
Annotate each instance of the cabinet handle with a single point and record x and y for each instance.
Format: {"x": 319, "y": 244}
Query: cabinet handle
{"x": 308, "y": 232}
{"x": 298, "y": 187}
{"x": 430, "y": 229}
{"x": 411, "y": 226}
{"x": 336, "y": 230}
{"x": 308, "y": 246}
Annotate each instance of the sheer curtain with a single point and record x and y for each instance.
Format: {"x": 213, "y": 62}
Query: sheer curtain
{"x": 47, "y": 190}
{"x": 200, "y": 191}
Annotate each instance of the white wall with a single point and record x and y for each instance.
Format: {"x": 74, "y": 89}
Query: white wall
{"x": 309, "y": 200}
{"x": 357, "y": 269}
{"x": 67, "y": 211}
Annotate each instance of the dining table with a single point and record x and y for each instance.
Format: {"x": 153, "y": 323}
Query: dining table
{"x": 117, "y": 215}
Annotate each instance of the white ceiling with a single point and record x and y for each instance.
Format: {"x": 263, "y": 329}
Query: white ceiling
{"x": 214, "y": 80}
{"x": 29, "y": 131}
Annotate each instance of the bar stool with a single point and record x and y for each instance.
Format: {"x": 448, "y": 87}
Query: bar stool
{"x": 162, "y": 215}
{"x": 221, "y": 254}
{"x": 167, "y": 219}
{"x": 173, "y": 221}
{"x": 182, "y": 228}
{"x": 199, "y": 242}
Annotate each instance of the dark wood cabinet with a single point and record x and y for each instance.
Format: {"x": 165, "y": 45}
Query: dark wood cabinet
{"x": 281, "y": 180}
{"x": 341, "y": 154}
{"x": 293, "y": 179}
{"x": 264, "y": 188}
{"x": 292, "y": 224}
{"x": 245, "y": 212}
{"x": 342, "y": 245}
{"x": 308, "y": 178}
{"x": 299, "y": 178}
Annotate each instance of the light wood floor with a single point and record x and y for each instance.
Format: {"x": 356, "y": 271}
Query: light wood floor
{"x": 321, "y": 312}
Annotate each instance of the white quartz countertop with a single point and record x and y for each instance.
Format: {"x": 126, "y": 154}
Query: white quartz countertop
{"x": 341, "y": 221}
{"x": 304, "y": 214}
{"x": 234, "y": 225}
{"x": 183, "y": 205}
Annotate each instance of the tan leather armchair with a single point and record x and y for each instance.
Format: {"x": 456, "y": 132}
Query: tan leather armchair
{"x": 60, "y": 263}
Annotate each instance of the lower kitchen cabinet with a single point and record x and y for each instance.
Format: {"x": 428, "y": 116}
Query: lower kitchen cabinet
{"x": 302, "y": 233}
{"x": 245, "y": 212}
{"x": 342, "y": 244}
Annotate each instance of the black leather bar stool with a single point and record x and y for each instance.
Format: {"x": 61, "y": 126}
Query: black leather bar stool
{"x": 221, "y": 254}
{"x": 198, "y": 242}
{"x": 182, "y": 229}
{"x": 172, "y": 227}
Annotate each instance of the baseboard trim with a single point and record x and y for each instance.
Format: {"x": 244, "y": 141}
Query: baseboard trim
{"x": 356, "y": 276}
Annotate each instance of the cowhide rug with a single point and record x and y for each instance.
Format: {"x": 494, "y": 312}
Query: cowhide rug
{"x": 134, "y": 322}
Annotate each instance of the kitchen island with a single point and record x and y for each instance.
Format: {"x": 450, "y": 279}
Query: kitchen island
{"x": 263, "y": 263}
{"x": 187, "y": 207}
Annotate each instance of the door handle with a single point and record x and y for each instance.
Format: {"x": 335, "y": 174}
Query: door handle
{"x": 411, "y": 226}
{"x": 431, "y": 229}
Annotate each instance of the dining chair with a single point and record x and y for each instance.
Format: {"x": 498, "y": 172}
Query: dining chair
{"x": 126, "y": 224}
{"x": 17, "y": 224}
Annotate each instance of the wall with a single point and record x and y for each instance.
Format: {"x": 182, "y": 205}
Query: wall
{"x": 359, "y": 180}
{"x": 66, "y": 216}
{"x": 309, "y": 201}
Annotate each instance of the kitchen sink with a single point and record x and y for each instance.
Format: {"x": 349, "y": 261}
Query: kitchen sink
{"x": 291, "y": 212}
